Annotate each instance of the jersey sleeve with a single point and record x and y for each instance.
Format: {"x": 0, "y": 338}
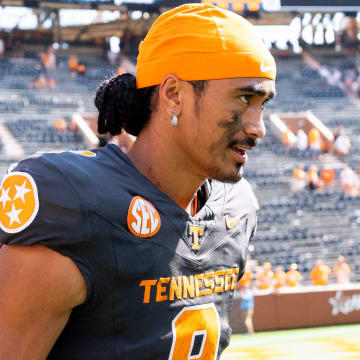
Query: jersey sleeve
{"x": 39, "y": 206}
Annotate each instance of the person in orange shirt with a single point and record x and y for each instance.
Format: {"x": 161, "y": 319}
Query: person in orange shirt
{"x": 312, "y": 177}
{"x": 265, "y": 277}
{"x": 298, "y": 181}
{"x": 120, "y": 70}
{"x": 73, "y": 63}
{"x": 81, "y": 69}
{"x": 44, "y": 60}
{"x": 52, "y": 83}
{"x": 314, "y": 139}
{"x": 327, "y": 174}
{"x": 279, "y": 278}
{"x": 245, "y": 279}
{"x": 342, "y": 271}
{"x": 247, "y": 307}
{"x": 320, "y": 273}
{"x": 289, "y": 138}
{"x": 293, "y": 277}
{"x": 60, "y": 125}
{"x": 42, "y": 82}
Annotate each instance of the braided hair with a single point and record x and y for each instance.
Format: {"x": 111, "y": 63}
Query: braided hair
{"x": 122, "y": 106}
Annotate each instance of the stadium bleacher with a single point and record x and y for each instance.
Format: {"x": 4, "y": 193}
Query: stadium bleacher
{"x": 304, "y": 227}
{"x": 292, "y": 227}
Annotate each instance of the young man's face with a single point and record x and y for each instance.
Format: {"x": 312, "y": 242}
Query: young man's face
{"x": 223, "y": 124}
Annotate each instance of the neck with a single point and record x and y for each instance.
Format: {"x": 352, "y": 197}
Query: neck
{"x": 158, "y": 159}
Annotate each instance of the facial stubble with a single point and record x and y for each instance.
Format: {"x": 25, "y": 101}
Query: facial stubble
{"x": 229, "y": 128}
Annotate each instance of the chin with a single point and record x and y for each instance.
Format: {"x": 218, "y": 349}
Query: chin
{"x": 229, "y": 177}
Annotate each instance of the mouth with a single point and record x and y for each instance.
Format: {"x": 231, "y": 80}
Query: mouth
{"x": 239, "y": 153}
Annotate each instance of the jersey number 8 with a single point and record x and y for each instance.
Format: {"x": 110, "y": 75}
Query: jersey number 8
{"x": 196, "y": 333}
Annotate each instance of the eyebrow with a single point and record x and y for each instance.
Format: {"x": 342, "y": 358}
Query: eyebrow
{"x": 258, "y": 91}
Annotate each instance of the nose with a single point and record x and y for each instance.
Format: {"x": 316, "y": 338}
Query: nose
{"x": 254, "y": 126}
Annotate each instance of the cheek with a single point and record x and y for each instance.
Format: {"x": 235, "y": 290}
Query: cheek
{"x": 219, "y": 144}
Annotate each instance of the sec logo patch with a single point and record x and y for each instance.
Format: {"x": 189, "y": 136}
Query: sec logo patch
{"x": 143, "y": 219}
{"x": 19, "y": 202}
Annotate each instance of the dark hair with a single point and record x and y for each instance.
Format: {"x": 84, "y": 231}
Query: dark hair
{"x": 198, "y": 88}
{"x": 122, "y": 106}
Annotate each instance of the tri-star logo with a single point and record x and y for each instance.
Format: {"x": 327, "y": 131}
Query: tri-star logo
{"x": 19, "y": 202}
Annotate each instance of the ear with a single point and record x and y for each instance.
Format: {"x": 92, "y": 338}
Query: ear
{"x": 171, "y": 94}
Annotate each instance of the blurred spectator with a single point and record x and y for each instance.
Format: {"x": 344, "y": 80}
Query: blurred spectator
{"x": 289, "y": 138}
{"x": 338, "y": 130}
{"x": 320, "y": 273}
{"x": 349, "y": 181}
{"x": 279, "y": 278}
{"x": 312, "y": 177}
{"x": 73, "y": 127}
{"x": 293, "y": 277}
{"x": 342, "y": 144}
{"x": 246, "y": 278}
{"x": 60, "y": 125}
{"x": 52, "y": 83}
{"x": 120, "y": 70}
{"x": 73, "y": 64}
{"x": 42, "y": 82}
{"x": 247, "y": 307}
{"x": 298, "y": 181}
{"x": 44, "y": 60}
{"x": 81, "y": 69}
{"x": 301, "y": 140}
{"x": 327, "y": 175}
{"x": 342, "y": 271}
{"x": 265, "y": 277}
{"x": 315, "y": 139}
{"x": 51, "y": 59}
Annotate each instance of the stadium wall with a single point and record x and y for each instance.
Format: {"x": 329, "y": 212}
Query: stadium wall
{"x": 302, "y": 307}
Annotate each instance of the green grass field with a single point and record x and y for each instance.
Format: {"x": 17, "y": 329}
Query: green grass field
{"x": 323, "y": 343}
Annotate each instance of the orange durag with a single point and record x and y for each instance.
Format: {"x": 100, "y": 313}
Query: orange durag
{"x": 202, "y": 42}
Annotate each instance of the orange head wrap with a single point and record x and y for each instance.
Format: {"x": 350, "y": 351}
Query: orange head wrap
{"x": 202, "y": 42}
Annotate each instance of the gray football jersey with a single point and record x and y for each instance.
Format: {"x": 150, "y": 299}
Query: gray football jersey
{"x": 160, "y": 282}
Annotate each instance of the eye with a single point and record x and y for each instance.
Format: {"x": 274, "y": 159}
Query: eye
{"x": 245, "y": 98}
{"x": 263, "y": 104}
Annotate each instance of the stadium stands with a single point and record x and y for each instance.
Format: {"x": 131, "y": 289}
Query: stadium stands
{"x": 293, "y": 227}
{"x": 305, "y": 226}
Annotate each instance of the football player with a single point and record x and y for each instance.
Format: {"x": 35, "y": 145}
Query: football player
{"x": 110, "y": 255}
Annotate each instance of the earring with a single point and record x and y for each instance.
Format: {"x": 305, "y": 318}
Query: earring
{"x": 174, "y": 120}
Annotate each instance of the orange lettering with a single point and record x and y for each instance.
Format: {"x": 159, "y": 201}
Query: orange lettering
{"x": 198, "y": 285}
{"x": 148, "y": 284}
{"x": 235, "y": 273}
{"x": 188, "y": 286}
{"x": 209, "y": 284}
{"x": 219, "y": 280}
{"x": 161, "y": 289}
{"x": 175, "y": 288}
{"x": 228, "y": 279}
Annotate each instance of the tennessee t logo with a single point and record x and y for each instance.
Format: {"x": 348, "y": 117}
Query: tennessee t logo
{"x": 195, "y": 233}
